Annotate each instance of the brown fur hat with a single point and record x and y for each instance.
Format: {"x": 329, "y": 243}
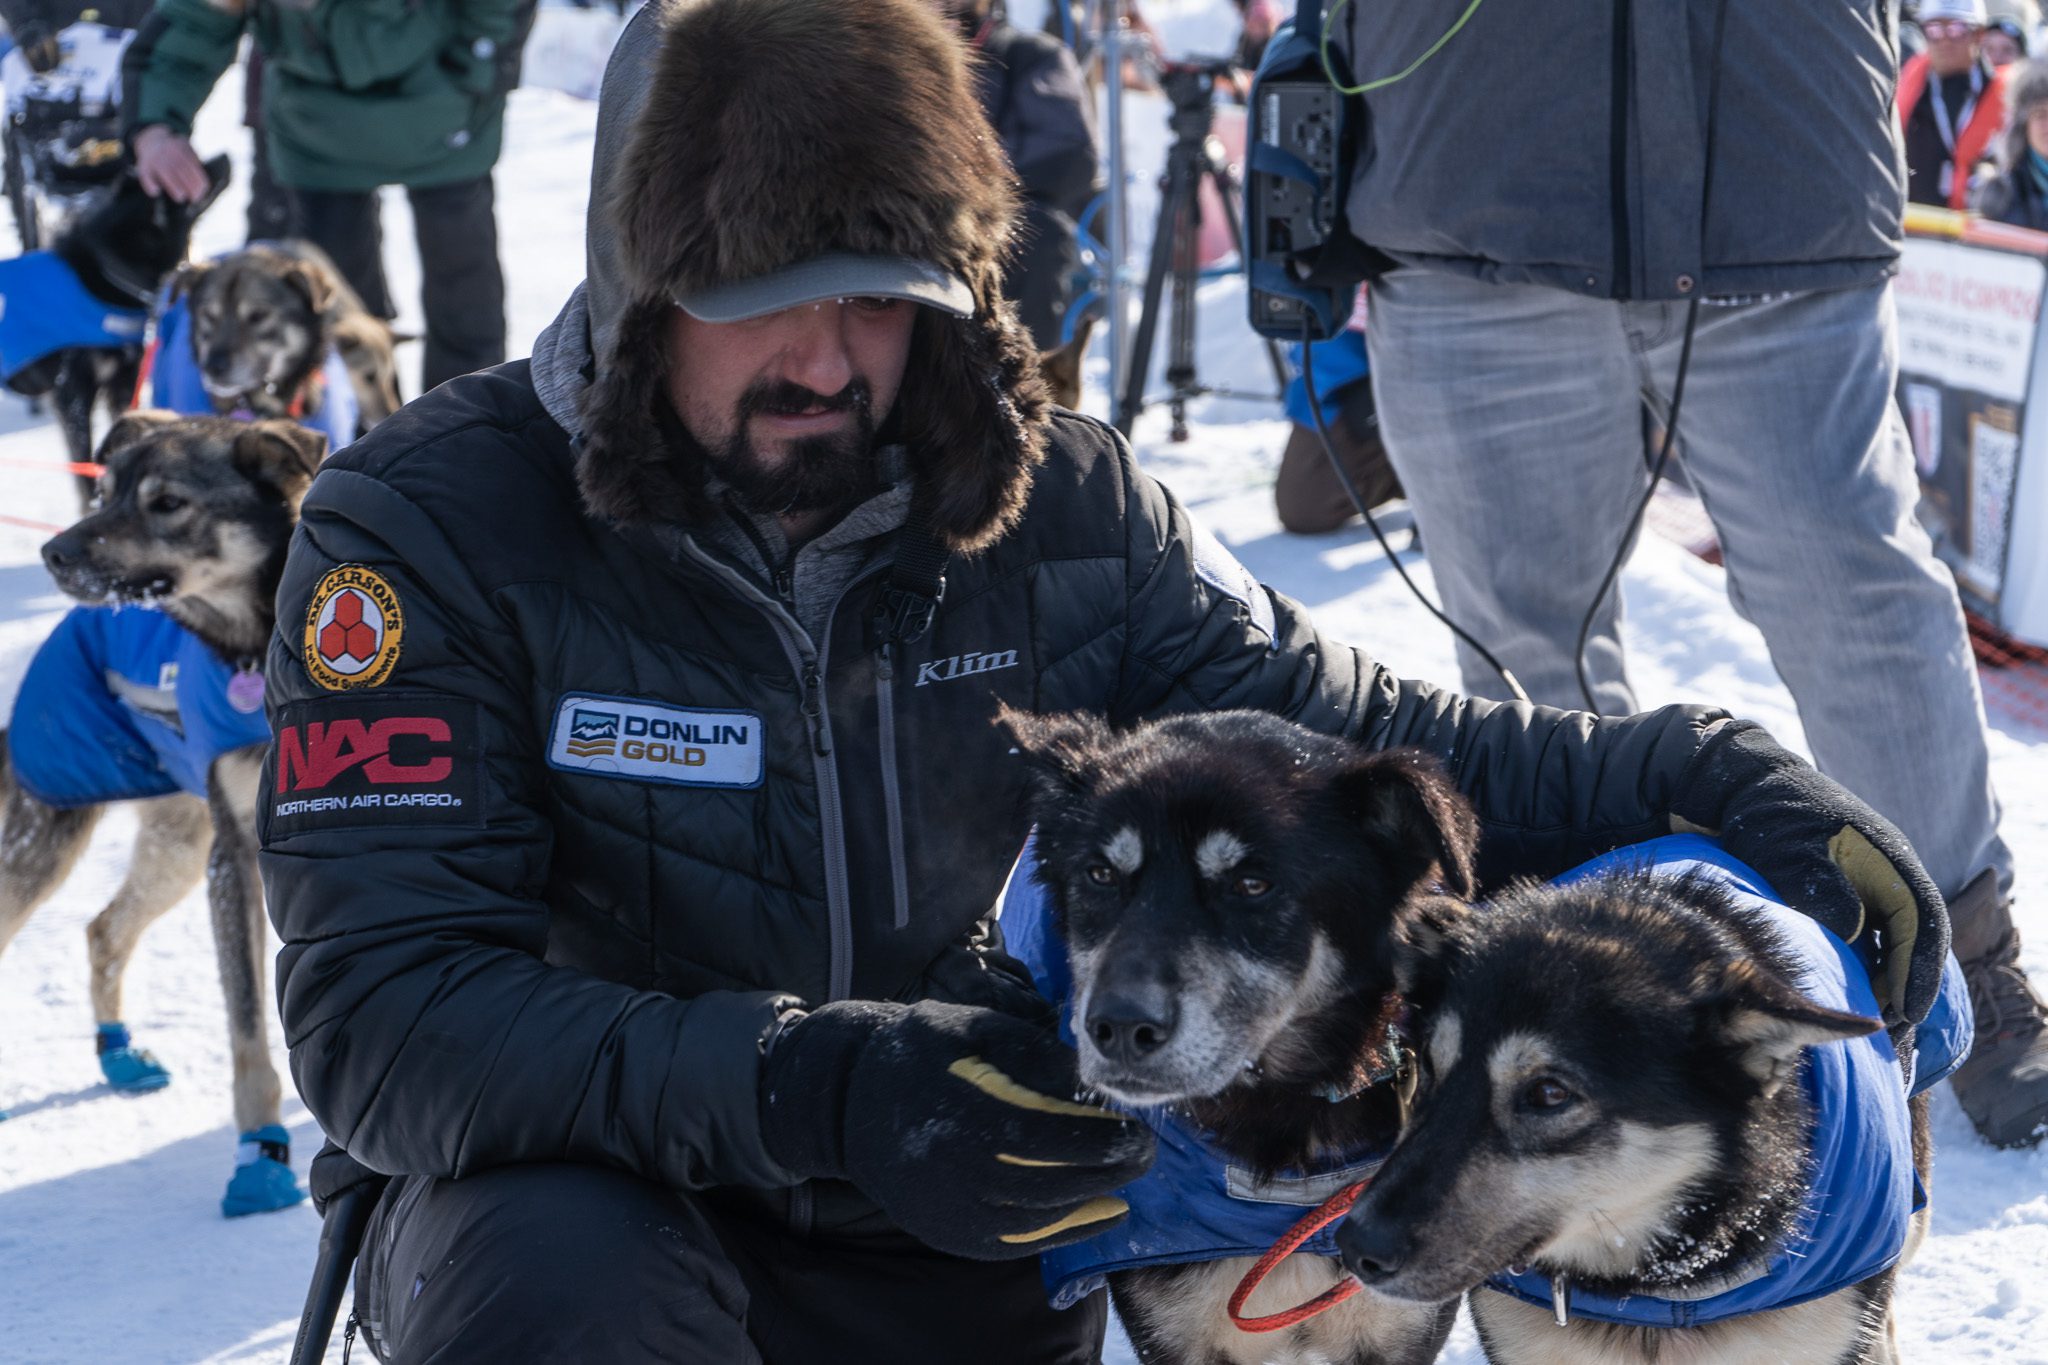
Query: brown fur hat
{"x": 773, "y": 131}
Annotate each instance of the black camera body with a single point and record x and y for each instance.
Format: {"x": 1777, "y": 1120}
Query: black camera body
{"x": 1300, "y": 257}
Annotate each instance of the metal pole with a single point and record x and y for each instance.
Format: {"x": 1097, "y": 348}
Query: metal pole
{"x": 1113, "y": 291}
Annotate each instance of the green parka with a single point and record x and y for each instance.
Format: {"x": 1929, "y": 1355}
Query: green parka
{"x": 356, "y": 93}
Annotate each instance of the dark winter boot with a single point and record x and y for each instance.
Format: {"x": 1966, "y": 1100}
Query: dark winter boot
{"x": 2004, "y": 1085}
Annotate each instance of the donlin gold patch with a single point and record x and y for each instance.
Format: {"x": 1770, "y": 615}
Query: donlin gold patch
{"x": 354, "y": 629}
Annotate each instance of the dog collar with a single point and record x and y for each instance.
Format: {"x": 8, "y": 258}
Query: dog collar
{"x": 1386, "y": 1059}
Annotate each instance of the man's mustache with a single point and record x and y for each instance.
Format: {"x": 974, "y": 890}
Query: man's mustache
{"x": 785, "y": 398}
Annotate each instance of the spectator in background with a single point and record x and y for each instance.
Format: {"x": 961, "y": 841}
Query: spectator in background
{"x": 2009, "y": 29}
{"x": 1032, "y": 91}
{"x": 1306, "y": 492}
{"x": 270, "y": 204}
{"x": 2004, "y": 42}
{"x": 1951, "y": 104}
{"x": 1514, "y": 353}
{"x": 2019, "y": 196}
{"x": 356, "y": 95}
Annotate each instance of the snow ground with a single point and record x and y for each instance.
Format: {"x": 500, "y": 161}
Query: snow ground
{"x": 111, "y": 1245}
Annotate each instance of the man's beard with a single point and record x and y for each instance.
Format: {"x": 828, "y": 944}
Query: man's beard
{"x": 816, "y": 473}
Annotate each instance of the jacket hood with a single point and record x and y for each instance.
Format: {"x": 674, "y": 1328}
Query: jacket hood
{"x": 736, "y": 137}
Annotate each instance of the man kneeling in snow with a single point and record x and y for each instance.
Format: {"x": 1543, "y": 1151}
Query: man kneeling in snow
{"x": 634, "y": 858}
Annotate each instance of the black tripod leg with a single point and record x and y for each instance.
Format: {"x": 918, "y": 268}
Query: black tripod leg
{"x": 1163, "y": 237}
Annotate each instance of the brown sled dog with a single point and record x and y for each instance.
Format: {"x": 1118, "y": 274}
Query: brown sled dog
{"x": 263, "y": 320}
{"x": 194, "y": 516}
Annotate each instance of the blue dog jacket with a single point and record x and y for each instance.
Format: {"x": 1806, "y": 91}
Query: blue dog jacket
{"x": 1854, "y": 1221}
{"x": 1194, "y": 1205}
{"x": 123, "y": 703}
{"x": 44, "y": 309}
{"x": 175, "y": 382}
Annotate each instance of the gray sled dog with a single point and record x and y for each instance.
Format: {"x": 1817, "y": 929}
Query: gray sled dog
{"x": 263, "y": 321}
{"x": 194, "y": 518}
{"x": 1228, "y": 888}
{"x": 1626, "y": 1088}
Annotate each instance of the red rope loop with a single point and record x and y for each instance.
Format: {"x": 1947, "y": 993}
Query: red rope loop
{"x": 1324, "y": 1214}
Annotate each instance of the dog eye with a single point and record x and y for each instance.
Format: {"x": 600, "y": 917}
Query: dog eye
{"x": 163, "y": 504}
{"x": 1545, "y": 1095}
{"x": 1252, "y": 886}
{"x": 1100, "y": 874}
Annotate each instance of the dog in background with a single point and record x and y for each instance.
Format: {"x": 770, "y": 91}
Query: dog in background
{"x": 193, "y": 518}
{"x": 1228, "y": 888}
{"x": 1617, "y": 1096}
{"x": 263, "y": 321}
{"x": 121, "y": 250}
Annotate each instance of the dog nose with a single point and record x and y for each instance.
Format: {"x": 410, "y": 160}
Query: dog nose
{"x": 1373, "y": 1249}
{"x": 1128, "y": 1025}
{"x": 63, "y": 552}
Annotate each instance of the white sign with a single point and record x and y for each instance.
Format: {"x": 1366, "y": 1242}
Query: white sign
{"x": 646, "y": 741}
{"x": 1967, "y": 316}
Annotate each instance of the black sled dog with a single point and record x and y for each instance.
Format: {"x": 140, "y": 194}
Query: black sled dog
{"x": 1224, "y": 891}
{"x": 121, "y": 251}
{"x": 194, "y": 517}
{"x": 1659, "y": 1122}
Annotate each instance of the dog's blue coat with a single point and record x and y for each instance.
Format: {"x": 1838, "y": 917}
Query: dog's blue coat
{"x": 1854, "y": 1221}
{"x": 124, "y": 703}
{"x": 175, "y": 382}
{"x": 1187, "y": 1207}
{"x": 1192, "y": 1204}
{"x": 44, "y": 309}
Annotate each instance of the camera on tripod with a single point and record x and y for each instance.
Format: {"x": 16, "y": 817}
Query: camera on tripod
{"x": 1301, "y": 260}
{"x": 1195, "y": 158}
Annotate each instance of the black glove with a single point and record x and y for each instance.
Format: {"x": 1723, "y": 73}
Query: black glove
{"x": 954, "y": 1119}
{"x": 1831, "y": 856}
{"x": 38, "y": 44}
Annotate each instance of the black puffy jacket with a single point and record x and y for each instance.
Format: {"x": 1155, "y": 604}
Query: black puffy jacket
{"x": 494, "y": 955}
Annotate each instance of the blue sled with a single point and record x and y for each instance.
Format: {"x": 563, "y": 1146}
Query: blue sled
{"x": 263, "y": 1181}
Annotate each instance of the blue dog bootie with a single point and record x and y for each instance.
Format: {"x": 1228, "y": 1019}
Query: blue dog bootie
{"x": 263, "y": 1180}
{"x": 129, "y": 1069}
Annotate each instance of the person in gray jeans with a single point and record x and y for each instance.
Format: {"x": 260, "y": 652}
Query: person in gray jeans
{"x": 1541, "y": 248}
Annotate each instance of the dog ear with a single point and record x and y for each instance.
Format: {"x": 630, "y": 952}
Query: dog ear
{"x": 186, "y": 278}
{"x": 1424, "y": 933}
{"x": 281, "y": 453}
{"x": 311, "y": 280}
{"x": 1768, "y": 1022}
{"x": 1060, "y": 749}
{"x": 1408, "y": 808}
{"x": 131, "y": 429}
{"x": 220, "y": 172}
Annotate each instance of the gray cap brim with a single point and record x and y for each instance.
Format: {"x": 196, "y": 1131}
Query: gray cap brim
{"x": 835, "y": 275}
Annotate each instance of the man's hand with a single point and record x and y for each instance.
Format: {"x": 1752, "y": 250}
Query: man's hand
{"x": 955, "y": 1120}
{"x": 1831, "y": 856}
{"x": 166, "y": 165}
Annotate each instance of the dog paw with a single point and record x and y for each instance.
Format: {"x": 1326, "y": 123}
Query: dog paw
{"x": 130, "y": 1070}
{"x": 263, "y": 1181}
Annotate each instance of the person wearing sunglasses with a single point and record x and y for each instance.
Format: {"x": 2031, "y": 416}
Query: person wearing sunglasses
{"x": 1951, "y": 104}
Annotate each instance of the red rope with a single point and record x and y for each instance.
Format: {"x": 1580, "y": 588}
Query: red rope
{"x": 79, "y": 467}
{"x": 31, "y": 525}
{"x": 144, "y": 370}
{"x": 1324, "y": 1214}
